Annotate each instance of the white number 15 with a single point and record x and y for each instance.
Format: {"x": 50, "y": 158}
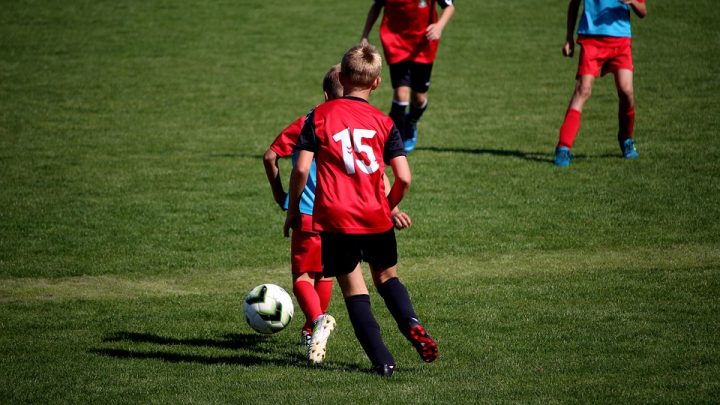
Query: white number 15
{"x": 357, "y": 146}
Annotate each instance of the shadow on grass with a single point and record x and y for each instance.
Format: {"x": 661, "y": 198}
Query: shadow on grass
{"x": 228, "y": 341}
{"x": 235, "y": 155}
{"x": 530, "y": 156}
{"x": 258, "y": 351}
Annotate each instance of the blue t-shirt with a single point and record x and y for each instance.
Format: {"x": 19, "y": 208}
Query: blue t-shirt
{"x": 307, "y": 198}
{"x": 609, "y": 18}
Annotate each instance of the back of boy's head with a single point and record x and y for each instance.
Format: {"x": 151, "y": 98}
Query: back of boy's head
{"x": 331, "y": 83}
{"x": 361, "y": 65}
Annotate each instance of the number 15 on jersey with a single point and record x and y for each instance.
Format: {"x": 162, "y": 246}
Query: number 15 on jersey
{"x": 351, "y": 147}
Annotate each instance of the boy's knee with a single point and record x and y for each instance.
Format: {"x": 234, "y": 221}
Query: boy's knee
{"x": 583, "y": 91}
{"x": 419, "y": 99}
{"x": 626, "y": 96}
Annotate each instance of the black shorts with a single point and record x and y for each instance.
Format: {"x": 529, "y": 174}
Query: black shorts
{"x": 411, "y": 74}
{"x": 342, "y": 252}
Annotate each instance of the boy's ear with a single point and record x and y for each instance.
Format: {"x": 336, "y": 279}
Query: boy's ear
{"x": 376, "y": 83}
{"x": 326, "y": 96}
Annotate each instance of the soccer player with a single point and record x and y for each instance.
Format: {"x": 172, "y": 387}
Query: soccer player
{"x": 311, "y": 289}
{"x": 605, "y": 37}
{"x": 410, "y": 32}
{"x": 352, "y": 142}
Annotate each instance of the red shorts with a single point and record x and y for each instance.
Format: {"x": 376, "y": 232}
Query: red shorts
{"x": 604, "y": 55}
{"x": 305, "y": 252}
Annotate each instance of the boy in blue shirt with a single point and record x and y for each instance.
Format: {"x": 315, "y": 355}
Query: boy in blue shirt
{"x": 605, "y": 37}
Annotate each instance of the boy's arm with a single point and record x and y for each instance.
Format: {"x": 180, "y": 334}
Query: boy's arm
{"x": 434, "y": 31}
{"x": 401, "y": 171}
{"x": 572, "y": 15}
{"x": 372, "y": 16}
{"x": 272, "y": 169}
{"x": 638, "y": 6}
{"x": 298, "y": 180}
{"x": 400, "y": 219}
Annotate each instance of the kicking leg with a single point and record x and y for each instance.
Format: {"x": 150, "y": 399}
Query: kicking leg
{"x": 397, "y": 300}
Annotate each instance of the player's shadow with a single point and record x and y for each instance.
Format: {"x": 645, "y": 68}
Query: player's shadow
{"x": 238, "y": 155}
{"x": 256, "y": 350}
{"x": 530, "y": 156}
{"x": 228, "y": 341}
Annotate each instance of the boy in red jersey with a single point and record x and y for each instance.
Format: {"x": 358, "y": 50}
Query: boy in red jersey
{"x": 310, "y": 288}
{"x": 605, "y": 37}
{"x": 410, "y": 32}
{"x": 351, "y": 142}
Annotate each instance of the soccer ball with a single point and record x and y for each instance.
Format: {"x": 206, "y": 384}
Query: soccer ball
{"x": 268, "y": 308}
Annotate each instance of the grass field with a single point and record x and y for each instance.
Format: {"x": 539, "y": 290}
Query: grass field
{"x": 135, "y": 213}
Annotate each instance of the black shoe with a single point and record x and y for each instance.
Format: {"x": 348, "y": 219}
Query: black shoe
{"x": 385, "y": 370}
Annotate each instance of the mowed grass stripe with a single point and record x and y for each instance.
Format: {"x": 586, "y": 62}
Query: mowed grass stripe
{"x": 536, "y": 264}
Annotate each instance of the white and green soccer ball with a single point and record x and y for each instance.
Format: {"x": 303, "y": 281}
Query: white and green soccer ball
{"x": 268, "y": 308}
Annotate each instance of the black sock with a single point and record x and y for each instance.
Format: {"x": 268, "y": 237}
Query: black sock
{"x": 367, "y": 330}
{"x": 398, "y": 302}
{"x": 416, "y": 112}
{"x": 397, "y": 113}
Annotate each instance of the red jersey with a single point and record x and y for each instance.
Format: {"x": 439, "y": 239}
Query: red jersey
{"x": 284, "y": 144}
{"x": 352, "y": 141}
{"x": 403, "y": 27}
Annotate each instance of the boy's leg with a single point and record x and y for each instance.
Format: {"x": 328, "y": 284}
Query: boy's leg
{"x": 400, "y": 80}
{"x": 420, "y": 84}
{"x": 380, "y": 251}
{"x": 420, "y": 74}
{"x": 417, "y": 106}
{"x": 401, "y": 100}
{"x": 307, "y": 298}
{"x": 571, "y": 123}
{"x": 396, "y": 297}
{"x": 306, "y": 263}
{"x": 626, "y": 112}
{"x": 323, "y": 288}
{"x": 367, "y": 330}
{"x": 397, "y": 300}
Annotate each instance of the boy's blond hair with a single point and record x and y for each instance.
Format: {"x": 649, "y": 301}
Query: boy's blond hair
{"x": 331, "y": 83}
{"x": 361, "y": 65}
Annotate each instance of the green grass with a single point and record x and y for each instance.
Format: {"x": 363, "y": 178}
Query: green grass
{"x": 135, "y": 214}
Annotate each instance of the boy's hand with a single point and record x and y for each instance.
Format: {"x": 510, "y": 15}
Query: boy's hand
{"x": 638, "y": 7}
{"x": 433, "y": 32}
{"x": 291, "y": 222}
{"x": 281, "y": 200}
{"x": 400, "y": 220}
{"x": 569, "y": 48}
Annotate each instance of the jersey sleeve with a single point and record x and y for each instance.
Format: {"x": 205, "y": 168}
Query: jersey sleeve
{"x": 393, "y": 146}
{"x": 284, "y": 144}
{"x": 445, "y": 3}
{"x": 308, "y": 139}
